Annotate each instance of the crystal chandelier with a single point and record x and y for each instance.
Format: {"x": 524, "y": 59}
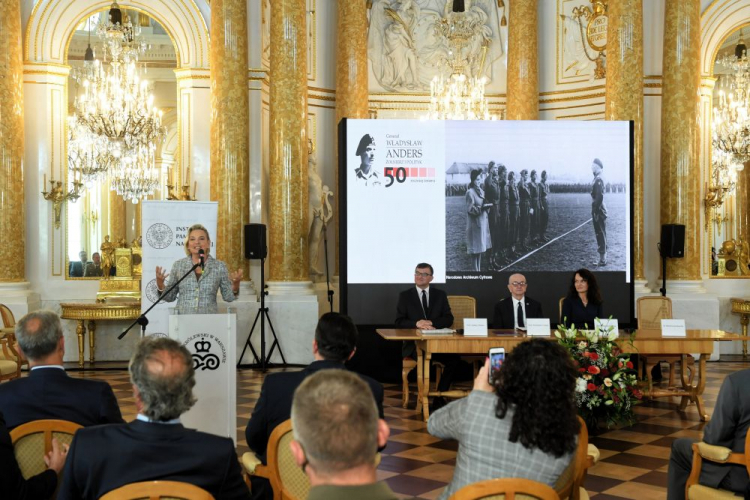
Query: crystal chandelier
{"x": 459, "y": 96}
{"x": 732, "y": 114}
{"x": 89, "y": 156}
{"x": 116, "y": 125}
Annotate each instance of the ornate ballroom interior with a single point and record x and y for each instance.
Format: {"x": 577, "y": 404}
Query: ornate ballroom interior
{"x": 250, "y": 93}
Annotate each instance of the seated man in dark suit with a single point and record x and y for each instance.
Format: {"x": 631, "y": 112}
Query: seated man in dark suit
{"x": 48, "y": 392}
{"x": 76, "y": 269}
{"x": 426, "y": 308}
{"x": 728, "y": 427}
{"x": 335, "y": 342}
{"x": 154, "y": 446}
{"x": 511, "y": 312}
{"x": 336, "y": 435}
{"x": 13, "y": 485}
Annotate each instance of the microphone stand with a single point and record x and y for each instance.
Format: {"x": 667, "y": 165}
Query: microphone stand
{"x": 142, "y": 319}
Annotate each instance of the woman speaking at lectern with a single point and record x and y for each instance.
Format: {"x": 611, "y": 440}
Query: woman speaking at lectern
{"x": 196, "y": 294}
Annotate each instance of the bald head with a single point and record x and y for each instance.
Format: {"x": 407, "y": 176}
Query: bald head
{"x": 517, "y": 285}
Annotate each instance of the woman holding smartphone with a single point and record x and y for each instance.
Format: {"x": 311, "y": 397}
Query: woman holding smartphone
{"x": 519, "y": 425}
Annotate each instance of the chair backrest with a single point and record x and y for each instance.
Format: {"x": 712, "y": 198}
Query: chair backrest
{"x": 158, "y": 490}
{"x": 651, "y": 310}
{"x": 559, "y": 313}
{"x": 462, "y": 306}
{"x": 572, "y": 477}
{"x": 33, "y": 440}
{"x": 9, "y": 321}
{"x": 287, "y": 479}
{"x": 506, "y": 488}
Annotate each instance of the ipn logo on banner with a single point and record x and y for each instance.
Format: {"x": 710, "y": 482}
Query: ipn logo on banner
{"x": 400, "y": 174}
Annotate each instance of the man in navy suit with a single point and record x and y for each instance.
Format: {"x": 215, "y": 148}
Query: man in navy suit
{"x": 426, "y": 308}
{"x": 154, "y": 446}
{"x": 511, "y": 312}
{"x": 335, "y": 342}
{"x": 48, "y": 392}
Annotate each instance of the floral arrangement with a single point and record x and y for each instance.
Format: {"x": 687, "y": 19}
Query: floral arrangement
{"x": 607, "y": 386}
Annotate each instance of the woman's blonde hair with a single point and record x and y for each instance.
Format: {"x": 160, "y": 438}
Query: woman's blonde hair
{"x": 196, "y": 227}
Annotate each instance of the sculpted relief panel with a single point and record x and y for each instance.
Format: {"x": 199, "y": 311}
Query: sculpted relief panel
{"x": 406, "y": 51}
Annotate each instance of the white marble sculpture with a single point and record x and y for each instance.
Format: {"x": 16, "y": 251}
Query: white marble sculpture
{"x": 320, "y": 212}
{"x": 405, "y": 51}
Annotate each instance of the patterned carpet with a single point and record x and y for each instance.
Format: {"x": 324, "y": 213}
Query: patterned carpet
{"x": 633, "y": 460}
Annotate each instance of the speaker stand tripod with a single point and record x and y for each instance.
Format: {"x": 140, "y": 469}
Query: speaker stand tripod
{"x": 262, "y": 360}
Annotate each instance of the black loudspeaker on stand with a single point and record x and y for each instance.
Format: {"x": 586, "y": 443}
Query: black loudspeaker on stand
{"x": 255, "y": 248}
{"x": 672, "y": 245}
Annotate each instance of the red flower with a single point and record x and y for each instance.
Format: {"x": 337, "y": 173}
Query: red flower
{"x": 591, "y": 386}
{"x": 620, "y": 364}
{"x": 582, "y": 370}
{"x": 594, "y": 356}
{"x": 594, "y": 370}
{"x": 629, "y": 364}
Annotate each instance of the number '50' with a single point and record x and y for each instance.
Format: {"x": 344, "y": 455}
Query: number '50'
{"x": 400, "y": 175}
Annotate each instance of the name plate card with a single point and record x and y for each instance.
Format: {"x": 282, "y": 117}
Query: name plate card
{"x": 475, "y": 327}
{"x": 537, "y": 327}
{"x": 606, "y": 325}
{"x": 673, "y": 328}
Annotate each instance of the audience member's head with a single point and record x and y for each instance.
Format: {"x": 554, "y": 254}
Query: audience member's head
{"x": 96, "y": 258}
{"x": 537, "y": 382}
{"x": 584, "y": 282}
{"x": 162, "y": 374}
{"x": 83, "y": 256}
{"x": 336, "y": 428}
{"x": 335, "y": 337}
{"x": 40, "y": 337}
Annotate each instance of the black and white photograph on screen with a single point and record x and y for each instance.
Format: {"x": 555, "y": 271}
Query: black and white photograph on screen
{"x": 536, "y": 196}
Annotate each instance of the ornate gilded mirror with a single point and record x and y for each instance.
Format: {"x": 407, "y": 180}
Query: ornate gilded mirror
{"x": 145, "y": 60}
{"x": 728, "y": 182}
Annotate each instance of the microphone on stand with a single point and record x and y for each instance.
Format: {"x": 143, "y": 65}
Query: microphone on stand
{"x": 200, "y": 256}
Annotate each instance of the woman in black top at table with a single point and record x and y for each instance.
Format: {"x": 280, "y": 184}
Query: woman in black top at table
{"x": 584, "y": 302}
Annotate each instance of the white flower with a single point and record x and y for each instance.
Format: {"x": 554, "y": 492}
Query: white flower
{"x": 608, "y": 382}
{"x": 613, "y": 334}
{"x": 582, "y": 345}
{"x": 580, "y": 385}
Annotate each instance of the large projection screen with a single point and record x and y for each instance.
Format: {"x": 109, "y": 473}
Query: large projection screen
{"x": 411, "y": 207}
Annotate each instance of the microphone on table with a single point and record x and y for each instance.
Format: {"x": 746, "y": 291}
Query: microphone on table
{"x": 201, "y": 253}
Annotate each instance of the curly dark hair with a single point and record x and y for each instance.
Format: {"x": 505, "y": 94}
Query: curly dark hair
{"x": 593, "y": 295}
{"x": 537, "y": 382}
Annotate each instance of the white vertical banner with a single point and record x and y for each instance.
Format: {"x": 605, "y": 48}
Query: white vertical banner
{"x": 165, "y": 225}
{"x": 210, "y": 338}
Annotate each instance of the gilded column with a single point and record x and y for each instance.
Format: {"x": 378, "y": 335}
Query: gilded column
{"x": 351, "y": 72}
{"x": 117, "y": 228}
{"x": 624, "y": 96}
{"x": 12, "y": 221}
{"x": 523, "y": 86}
{"x": 742, "y": 200}
{"x": 288, "y": 218}
{"x": 680, "y": 139}
{"x": 230, "y": 116}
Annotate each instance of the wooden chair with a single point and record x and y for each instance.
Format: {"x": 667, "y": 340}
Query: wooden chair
{"x": 33, "y": 440}
{"x": 507, "y": 488}
{"x": 12, "y": 352}
{"x": 287, "y": 479}
{"x": 10, "y": 366}
{"x": 719, "y": 454}
{"x": 158, "y": 490}
{"x": 651, "y": 310}
{"x": 462, "y": 306}
{"x": 570, "y": 483}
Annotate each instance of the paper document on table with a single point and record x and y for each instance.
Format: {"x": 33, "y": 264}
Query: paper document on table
{"x": 438, "y": 331}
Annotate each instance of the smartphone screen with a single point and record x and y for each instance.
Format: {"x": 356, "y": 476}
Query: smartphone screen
{"x": 497, "y": 357}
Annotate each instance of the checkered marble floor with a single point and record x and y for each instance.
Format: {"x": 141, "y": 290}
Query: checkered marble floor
{"x": 415, "y": 464}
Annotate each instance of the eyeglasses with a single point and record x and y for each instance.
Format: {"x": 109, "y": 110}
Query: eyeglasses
{"x": 519, "y": 283}
{"x": 422, "y": 275}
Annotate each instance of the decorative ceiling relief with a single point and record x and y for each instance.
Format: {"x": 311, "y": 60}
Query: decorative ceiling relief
{"x": 407, "y": 50}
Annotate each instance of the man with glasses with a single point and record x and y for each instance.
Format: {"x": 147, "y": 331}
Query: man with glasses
{"x": 426, "y": 308}
{"x": 511, "y": 312}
